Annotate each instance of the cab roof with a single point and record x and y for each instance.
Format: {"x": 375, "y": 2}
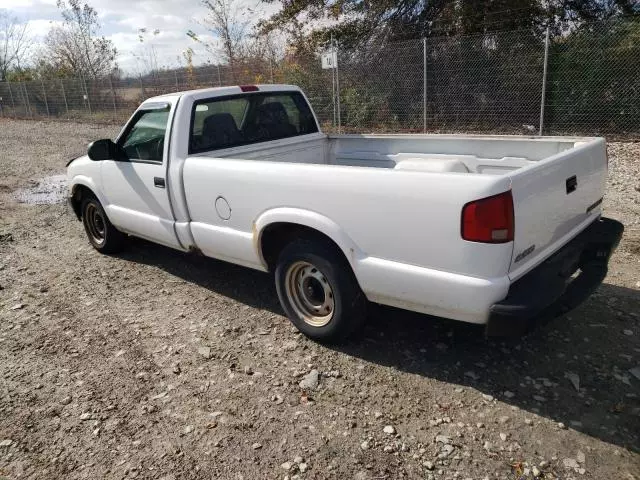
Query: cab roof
{"x": 224, "y": 91}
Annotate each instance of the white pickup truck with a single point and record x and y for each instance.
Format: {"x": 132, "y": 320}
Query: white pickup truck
{"x": 494, "y": 230}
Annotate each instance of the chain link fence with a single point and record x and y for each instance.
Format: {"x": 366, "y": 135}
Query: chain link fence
{"x": 486, "y": 83}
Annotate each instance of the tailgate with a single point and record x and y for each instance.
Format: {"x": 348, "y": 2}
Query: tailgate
{"x": 555, "y": 200}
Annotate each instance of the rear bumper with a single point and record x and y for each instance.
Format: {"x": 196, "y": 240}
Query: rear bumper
{"x": 551, "y": 289}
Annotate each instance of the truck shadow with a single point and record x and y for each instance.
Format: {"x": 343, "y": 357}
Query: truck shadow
{"x": 532, "y": 373}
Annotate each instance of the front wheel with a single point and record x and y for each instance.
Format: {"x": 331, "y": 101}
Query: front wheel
{"x": 318, "y": 291}
{"x": 102, "y": 235}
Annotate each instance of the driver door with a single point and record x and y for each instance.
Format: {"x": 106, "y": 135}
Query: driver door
{"x": 136, "y": 188}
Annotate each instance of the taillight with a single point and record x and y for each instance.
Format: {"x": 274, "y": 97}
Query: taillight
{"x": 249, "y": 88}
{"x": 489, "y": 220}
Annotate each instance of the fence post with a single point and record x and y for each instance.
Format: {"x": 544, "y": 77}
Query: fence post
{"x": 175, "y": 74}
{"x": 219, "y": 78}
{"x": 338, "y": 90}
{"x": 113, "y": 96}
{"x": 13, "y": 104}
{"x": 86, "y": 92}
{"x": 424, "y": 85}
{"x": 544, "y": 80}
{"x": 46, "y": 103}
{"x": 334, "y": 123}
{"x": 26, "y": 97}
{"x": 141, "y": 87}
{"x": 64, "y": 95}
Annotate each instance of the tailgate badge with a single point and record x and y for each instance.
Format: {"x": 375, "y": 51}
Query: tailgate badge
{"x": 594, "y": 205}
{"x": 525, "y": 253}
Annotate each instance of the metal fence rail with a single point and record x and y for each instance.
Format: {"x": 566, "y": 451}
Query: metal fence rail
{"x": 585, "y": 82}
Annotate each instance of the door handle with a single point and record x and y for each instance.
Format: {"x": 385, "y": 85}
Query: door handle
{"x": 158, "y": 182}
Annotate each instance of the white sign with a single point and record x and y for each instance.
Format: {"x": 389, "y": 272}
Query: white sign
{"x": 330, "y": 59}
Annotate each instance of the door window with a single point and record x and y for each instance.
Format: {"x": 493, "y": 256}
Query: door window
{"x": 144, "y": 138}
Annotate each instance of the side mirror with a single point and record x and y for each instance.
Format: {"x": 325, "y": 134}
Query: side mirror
{"x": 105, "y": 149}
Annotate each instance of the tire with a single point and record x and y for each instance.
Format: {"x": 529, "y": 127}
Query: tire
{"x": 102, "y": 235}
{"x": 318, "y": 291}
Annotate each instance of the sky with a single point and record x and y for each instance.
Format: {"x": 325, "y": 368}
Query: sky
{"x": 121, "y": 20}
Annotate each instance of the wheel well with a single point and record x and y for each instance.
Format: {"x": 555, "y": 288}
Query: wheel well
{"x": 78, "y": 193}
{"x": 278, "y": 235}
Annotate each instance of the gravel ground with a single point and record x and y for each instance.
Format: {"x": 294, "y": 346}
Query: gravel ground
{"x": 157, "y": 364}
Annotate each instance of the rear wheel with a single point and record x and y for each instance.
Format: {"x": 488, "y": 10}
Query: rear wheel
{"x": 102, "y": 235}
{"x": 318, "y": 290}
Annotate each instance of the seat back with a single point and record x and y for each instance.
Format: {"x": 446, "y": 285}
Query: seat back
{"x": 272, "y": 118}
{"x": 220, "y": 130}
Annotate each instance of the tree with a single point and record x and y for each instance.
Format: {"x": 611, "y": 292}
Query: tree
{"x": 246, "y": 52}
{"x": 75, "y": 47}
{"x": 147, "y": 56}
{"x": 589, "y": 10}
{"x": 224, "y": 21}
{"x": 353, "y": 22}
{"x": 593, "y": 81}
{"x": 14, "y": 44}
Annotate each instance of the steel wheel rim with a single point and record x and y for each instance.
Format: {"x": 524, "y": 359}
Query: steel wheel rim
{"x": 95, "y": 224}
{"x": 309, "y": 294}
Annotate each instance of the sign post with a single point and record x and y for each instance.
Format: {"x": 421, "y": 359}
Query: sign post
{"x": 330, "y": 62}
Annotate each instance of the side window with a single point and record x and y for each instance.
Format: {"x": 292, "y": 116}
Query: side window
{"x": 144, "y": 139}
{"x": 249, "y": 118}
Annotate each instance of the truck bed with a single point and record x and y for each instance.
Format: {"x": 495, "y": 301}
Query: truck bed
{"x": 538, "y": 169}
{"x": 475, "y": 154}
{"x": 488, "y": 155}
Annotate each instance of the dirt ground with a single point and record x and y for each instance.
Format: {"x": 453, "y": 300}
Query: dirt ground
{"x": 158, "y": 364}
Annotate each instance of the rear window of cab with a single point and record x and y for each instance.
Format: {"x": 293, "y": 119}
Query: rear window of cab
{"x": 244, "y": 119}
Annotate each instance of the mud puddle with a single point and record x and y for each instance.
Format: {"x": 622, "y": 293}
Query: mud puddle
{"x": 46, "y": 191}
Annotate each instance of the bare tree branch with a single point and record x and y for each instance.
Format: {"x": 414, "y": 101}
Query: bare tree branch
{"x": 225, "y": 22}
{"x": 14, "y": 43}
{"x": 74, "y": 48}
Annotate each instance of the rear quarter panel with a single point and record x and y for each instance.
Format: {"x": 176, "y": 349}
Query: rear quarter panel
{"x": 400, "y": 216}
